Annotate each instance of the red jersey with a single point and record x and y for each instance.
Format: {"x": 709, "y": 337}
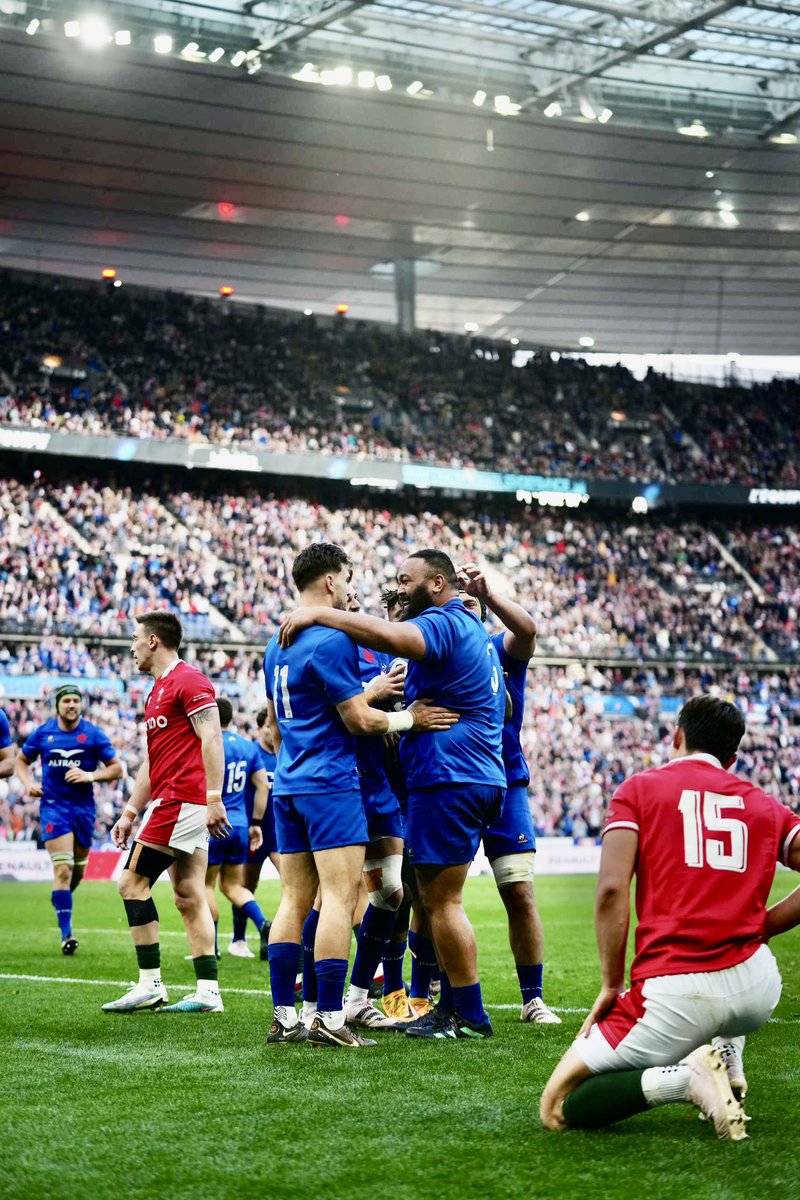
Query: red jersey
{"x": 708, "y": 845}
{"x": 176, "y": 757}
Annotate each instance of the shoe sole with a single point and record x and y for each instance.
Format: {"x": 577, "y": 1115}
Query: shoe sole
{"x": 734, "y": 1129}
{"x": 139, "y": 1008}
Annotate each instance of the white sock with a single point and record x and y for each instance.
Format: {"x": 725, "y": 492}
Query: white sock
{"x": 666, "y": 1085}
{"x": 150, "y": 978}
{"x": 357, "y": 995}
{"x": 286, "y": 1014}
{"x": 309, "y": 1010}
{"x": 208, "y": 989}
{"x": 333, "y": 1020}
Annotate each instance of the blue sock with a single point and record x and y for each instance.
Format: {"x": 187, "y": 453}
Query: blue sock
{"x": 61, "y": 900}
{"x": 393, "y": 957}
{"x": 423, "y": 964}
{"x": 309, "y": 970}
{"x": 468, "y": 1003}
{"x": 331, "y": 973}
{"x": 252, "y": 910}
{"x": 446, "y": 1000}
{"x": 284, "y": 963}
{"x": 239, "y": 924}
{"x": 377, "y": 925}
{"x": 530, "y": 981}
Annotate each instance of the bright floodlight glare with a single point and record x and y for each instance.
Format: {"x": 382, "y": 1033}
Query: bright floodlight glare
{"x": 709, "y": 174}
{"x": 308, "y": 73}
{"x": 95, "y": 32}
{"x": 479, "y": 98}
{"x": 33, "y": 26}
{"x": 725, "y": 205}
{"x": 586, "y": 107}
{"x": 471, "y": 326}
{"x": 72, "y": 29}
{"x": 308, "y": 312}
{"x": 586, "y": 342}
{"x": 327, "y": 77}
{"x": 383, "y": 83}
{"x": 344, "y": 76}
{"x": 190, "y": 49}
{"x": 696, "y": 129}
{"x": 123, "y": 37}
{"x": 605, "y": 115}
{"x": 162, "y": 43}
{"x": 639, "y": 504}
{"x": 583, "y": 215}
{"x": 365, "y": 79}
{"x": 415, "y": 87}
{"x": 514, "y": 341}
{"x": 216, "y": 55}
{"x": 238, "y": 58}
{"x": 728, "y": 218}
{"x": 553, "y": 109}
{"x": 784, "y": 139}
{"x": 117, "y": 283}
{"x": 732, "y": 355}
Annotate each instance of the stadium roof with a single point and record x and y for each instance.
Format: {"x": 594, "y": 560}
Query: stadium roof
{"x": 527, "y": 155}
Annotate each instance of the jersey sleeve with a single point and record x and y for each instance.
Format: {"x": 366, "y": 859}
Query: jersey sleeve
{"x": 515, "y": 668}
{"x": 439, "y": 633}
{"x": 196, "y": 693}
{"x": 269, "y": 663}
{"x": 789, "y": 826}
{"x": 5, "y": 731}
{"x": 32, "y": 748}
{"x": 623, "y": 811}
{"x": 335, "y": 662}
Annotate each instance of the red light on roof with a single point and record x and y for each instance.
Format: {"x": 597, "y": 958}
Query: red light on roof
{"x": 342, "y": 219}
{"x": 342, "y": 309}
{"x": 109, "y": 273}
{"x": 226, "y": 210}
{"x": 226, "y": 290}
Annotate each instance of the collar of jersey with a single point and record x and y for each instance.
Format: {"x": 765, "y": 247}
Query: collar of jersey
{"x": 169, "y": 668}
{"x": 699, "y": 756}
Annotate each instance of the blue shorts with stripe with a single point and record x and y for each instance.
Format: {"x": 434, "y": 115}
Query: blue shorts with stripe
{"x": 513, "y": 833}
{"x": 319, "y": 821}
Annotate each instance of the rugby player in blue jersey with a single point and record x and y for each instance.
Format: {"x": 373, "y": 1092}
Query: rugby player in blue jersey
{"x": 227, "y": 856}
{"x": 75, "y": 755}
{"x": 316, "y": 702}
{"x": 269, "y": 846}
{"x": 510, "y": 843}
{"x": 7, "y": 749}
{"x": 456, "y": 780}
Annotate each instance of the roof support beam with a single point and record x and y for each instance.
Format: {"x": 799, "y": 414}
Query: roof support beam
{"x": 295, "y": 19}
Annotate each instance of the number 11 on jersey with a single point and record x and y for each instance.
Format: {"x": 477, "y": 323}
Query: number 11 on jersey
{"x": 281, "y": 683}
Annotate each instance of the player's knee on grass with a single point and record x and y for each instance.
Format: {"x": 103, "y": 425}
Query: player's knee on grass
{"x": 385, "y": 882}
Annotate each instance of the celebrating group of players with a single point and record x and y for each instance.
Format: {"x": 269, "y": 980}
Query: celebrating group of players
{"x": 395, "y": 747}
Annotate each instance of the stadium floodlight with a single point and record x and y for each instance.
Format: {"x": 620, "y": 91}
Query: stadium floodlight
{"x": 505, "y": 106}
{"x": 109, "y": 273}
{"x": 587, "y": 109}
{"x": 587, "y": 342}
{"x": 190, "y": 50}
{"x": 365, "y": 79}
{"x": 239, "y": 58}
{"x": 415, "y": 87}
{"x": 72, "y": 29}
{"x": 327, "y": 77}
{"x": 308, "y": 312}
{"x": 479, "y": 98}
{"x": 123, "y": 37}
{"x": 605, "y": 115}
{"x": 383, "y": 83}
{"x": 471, "y": 326}
{"x": 162, "y": 43}
{"x": 709, "y": 174}
{"x": 784, "y": 139}
{"x": 514, "y": 341}
{"x": 728, "y": 218}
{"x": 553, "y": 109}
{"x": 308, "y": 73}
{"x": 216, "y": 55}
{"x": 583, "y": 215}
{"x": 33, "y": 26}
{"x": 732, "y": 355}
{"x": 343, "y": 76}
{"x": 117, "y": 283}
{"x": 697, "y": 129}
{"x": 94, "y": 32}
{"x": 639, "y": 505}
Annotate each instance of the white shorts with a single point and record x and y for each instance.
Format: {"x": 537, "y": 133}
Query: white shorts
{"x": 659, "y": 1021}
{"x": 180, "y": 826}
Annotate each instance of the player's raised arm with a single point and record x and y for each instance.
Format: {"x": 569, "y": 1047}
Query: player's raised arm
{"x": 207, "y": 727}
{"x": 401, "y": 639}
{"x": 520, "y": 638}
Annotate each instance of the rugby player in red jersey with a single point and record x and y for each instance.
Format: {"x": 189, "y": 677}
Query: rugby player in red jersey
{"x": 703, "y": 844}
{"x": 181, "y": 782}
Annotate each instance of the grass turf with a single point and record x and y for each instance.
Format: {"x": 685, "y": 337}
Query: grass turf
{"x": 181, "y": 1106}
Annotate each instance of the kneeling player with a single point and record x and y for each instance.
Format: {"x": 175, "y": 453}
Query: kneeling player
{"x": 703, "y": 844}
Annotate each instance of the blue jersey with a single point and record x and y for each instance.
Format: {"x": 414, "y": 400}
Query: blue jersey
{"x": 267, "y": 763}
{"x": 515, "y": 671}
{"x": 85, "y": 746}
{"x": 241, "y": 760}
{"x": 305, "y": 682}
{"x": 5, "y": 731}
{"x": 461, "y": 671}
{"x": 370, "y": 751}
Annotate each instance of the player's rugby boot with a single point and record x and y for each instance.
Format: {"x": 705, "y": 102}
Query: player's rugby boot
{"x": 537, "y": 1012}
{"x": 365, "y": 1014}
{"x": 320, "y": 1035}
{"x": 710, "y": 1090}
{"x": 279, "y": 1033}
{"x": 141, "y": 998}
{"x": 731, "y": 1052}
{"x": 435, "y": 1024}
{"x": 194, "y": 1004}
{"x": 398, "y": 1006}
{"x": 69, "y": 945}
{"x": 240, "y": 949}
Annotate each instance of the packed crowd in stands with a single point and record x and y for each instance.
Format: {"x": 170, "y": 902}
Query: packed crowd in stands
{"x": 160, "y": 365}
{"x": 586, "y": 728}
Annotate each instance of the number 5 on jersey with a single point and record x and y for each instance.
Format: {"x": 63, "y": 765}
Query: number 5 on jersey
{"x": 281, "y": 683}
{"x": 704, "y": 815}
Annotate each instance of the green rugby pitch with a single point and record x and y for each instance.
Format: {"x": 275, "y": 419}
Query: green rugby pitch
{"x": 200, "y": 1108}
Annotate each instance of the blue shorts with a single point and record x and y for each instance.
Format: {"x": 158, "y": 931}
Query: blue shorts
{"x": 513, "y": 833}
{"x": 55, "y": 822}
{"x": 233, "y": 849}
{"x": 318, "y": 821}
{"x": 269, "y": 840}
{"x": 382, "y": 810}
{"x": 445, "y": 823}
